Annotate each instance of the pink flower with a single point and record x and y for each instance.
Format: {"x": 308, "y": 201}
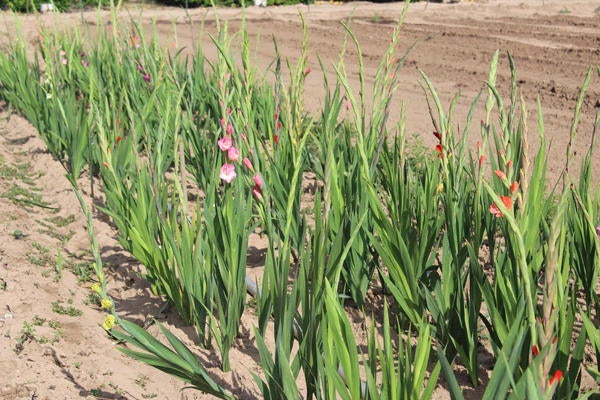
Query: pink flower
{"x": 64, "y": 61}
{"x": 233, "y": 154}
{"x": 598, "y": 230}
{"x": 247, "y": 163}
{"x": 229, "y": 129}
{"x": 85, "y": 63}
{"x": 228, "y": 173}
{"x": 225, "y": 143}
{"x": 256, "y": 193}
{"x": 258, "y": 181}
{"x": 222, "y": 122}
{"x": 147, "y": 78}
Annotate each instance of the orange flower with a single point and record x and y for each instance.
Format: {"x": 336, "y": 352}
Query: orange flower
{"x": 514, "y": 187}
{"x": 438, "y": 148}
{"x": 500, "y": 174}
{"x": 556, "y": 377}
{"x": 494, "y": 209}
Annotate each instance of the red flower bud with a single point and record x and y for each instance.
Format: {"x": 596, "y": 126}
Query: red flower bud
{"x": 556, "y": 377}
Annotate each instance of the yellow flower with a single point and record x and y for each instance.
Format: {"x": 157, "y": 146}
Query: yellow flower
{"x": 106, "y": 304}
{"x": 109, "y": 322}
{"x": 96, "y": 288}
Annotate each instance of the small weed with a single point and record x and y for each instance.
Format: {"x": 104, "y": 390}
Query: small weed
{"x": 26, "y": 198}
{"x": 77, "y": 365}
{"x": 83, "y": 271}
{"x": 116, "y": 388}
{"x": 21, "y": 172}
{"x": 71, "y": 311}
{"x": 61, "y": 222}
{"x": 18, "y": 234}
{"x": 38, "y": 321}
{"x": 92, "y": 299}
{"x": 53, "y": 232}
{"x": 40, "y": 247}
{"x": 2, "y": 284}
{"x": 96, "y": 392}
{"x": 58, "y": 332}
{"x": 564, "y": 10}
{"x": 45, "y": 340}
{"x": 376, "y": 19}
{"x": 40, "y": 259}
{"x": 63, "y": 238}
{"x": 27, "y": 335}
{"x": 141, "y": 381}
{"x": 58, "y": 266}
{"x": 149, "y": 395}
{"x": 54, "y": 324}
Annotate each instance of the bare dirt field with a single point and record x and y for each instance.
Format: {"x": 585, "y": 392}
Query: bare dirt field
{"x": 51, "y": 343}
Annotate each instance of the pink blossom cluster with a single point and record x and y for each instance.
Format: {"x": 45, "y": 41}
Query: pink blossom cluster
{"x": 228, "y": 172}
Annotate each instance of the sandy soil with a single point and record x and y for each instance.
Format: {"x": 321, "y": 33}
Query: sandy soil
{"x": 45, "y": 354}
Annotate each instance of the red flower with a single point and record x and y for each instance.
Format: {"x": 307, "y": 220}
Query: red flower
{"x": 481, "y": 158}
{"x": 438, "y": 147}
{"x": 534, "y": 350}
{"x": 119, "y": 139}
{"x": 556, "y": 377}
{"x": 276, "y": 139}
{"x": 507, "y": 201}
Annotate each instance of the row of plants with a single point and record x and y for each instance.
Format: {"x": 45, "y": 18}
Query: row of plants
{"x": 33, "y": 6}
{"x": 464, "y": 250}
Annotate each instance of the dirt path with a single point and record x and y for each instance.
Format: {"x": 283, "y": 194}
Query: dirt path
{"x": 51, "y": 350}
